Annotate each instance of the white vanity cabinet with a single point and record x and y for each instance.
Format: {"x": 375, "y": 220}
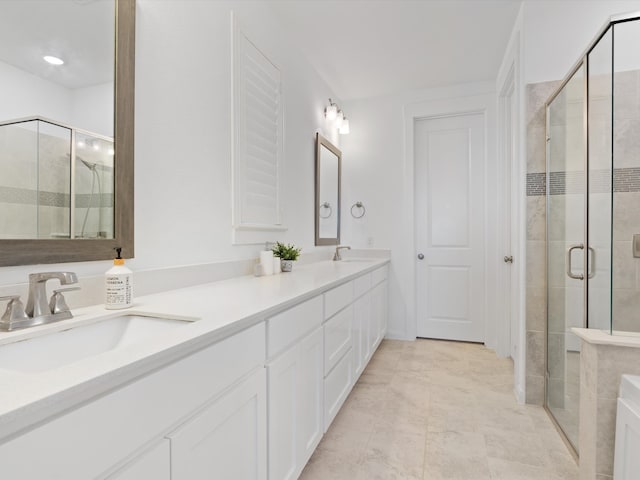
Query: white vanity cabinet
{"x": 112, "y": 434}
{"x": 295, "y": 374}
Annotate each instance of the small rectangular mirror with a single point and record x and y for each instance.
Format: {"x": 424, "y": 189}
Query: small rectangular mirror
{"x": 328, "y": 176}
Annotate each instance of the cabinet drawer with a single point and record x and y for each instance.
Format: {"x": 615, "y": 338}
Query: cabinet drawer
{"x": 285, "y": 328}
{"x": 337, "y": 386}
{"x": 337, "y": 299}
{"x": 98, "y": 436}
{"x": 361, "y": 285}
{"x": 337, "y": 337}
{"x": 378, "y": 275}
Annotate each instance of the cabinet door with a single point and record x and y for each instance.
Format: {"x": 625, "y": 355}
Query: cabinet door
{"x": 283, "y": 377}
{"x": 379, "y": 299}
{"x": 361, "y": 312}
{"x": 374, "y": 322}
{"x": 295, "y": 406}
{"x": 310, "y": 397}
{"x": 151, "y": 465}
{"x": 228, "y": 439}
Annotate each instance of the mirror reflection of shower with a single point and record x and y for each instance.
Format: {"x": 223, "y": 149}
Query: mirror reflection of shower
{"x": 56, "y": 181}
{"x": 93, "y": 177}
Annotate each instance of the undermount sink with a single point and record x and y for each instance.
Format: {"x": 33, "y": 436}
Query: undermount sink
{"x": 56, "y": 349}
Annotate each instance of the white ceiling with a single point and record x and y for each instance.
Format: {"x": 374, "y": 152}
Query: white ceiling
{"x": 365, "y": 48}
{"x": 80, "y": 32}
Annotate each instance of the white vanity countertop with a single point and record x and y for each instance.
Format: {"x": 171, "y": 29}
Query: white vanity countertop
{"x": 222, "y": 309}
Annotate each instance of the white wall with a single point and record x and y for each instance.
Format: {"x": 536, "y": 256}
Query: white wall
{"x": 183, "y": 134}
{"x": 92, "y": 108}
{"x": 25, "y": 95}
{"x": 373, "y": 172}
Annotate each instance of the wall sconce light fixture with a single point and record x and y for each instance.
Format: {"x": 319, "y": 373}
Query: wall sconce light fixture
{"x": 335, "y": 113}
{"x": 344, "y": 126}
{"x": 331, "y": 111}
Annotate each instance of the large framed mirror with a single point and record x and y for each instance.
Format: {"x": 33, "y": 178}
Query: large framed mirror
{"x": 328, "y": 176}
{"x": 66, "y": 130}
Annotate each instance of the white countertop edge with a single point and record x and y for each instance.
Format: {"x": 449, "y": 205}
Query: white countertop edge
{"x": 601, "y": 337}
{"x": 70, "y": 391}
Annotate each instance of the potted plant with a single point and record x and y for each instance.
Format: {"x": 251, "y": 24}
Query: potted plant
{"x": 287, "y": 254}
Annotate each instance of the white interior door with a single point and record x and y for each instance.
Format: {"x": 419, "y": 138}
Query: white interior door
{"x": 450, "y": 217}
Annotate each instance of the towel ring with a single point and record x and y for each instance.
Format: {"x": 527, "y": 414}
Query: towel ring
{"x": 326, "y": 205}
{"x": 358, "y": 205}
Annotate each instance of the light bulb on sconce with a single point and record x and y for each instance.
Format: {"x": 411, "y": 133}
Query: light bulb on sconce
{"x": 344, "y": 128}
{"x": 334, "y": 113}
{"x": 331, "y": 111}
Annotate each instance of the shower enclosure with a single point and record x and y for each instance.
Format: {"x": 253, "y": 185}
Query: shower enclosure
{"x": 593, "y": 209}
{"x": 56, "y": 181}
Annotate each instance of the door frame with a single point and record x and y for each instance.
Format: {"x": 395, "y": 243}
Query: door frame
{"x": 508, "y": 148}
{"x": 485, "y": 105}
{"x": 510, "y": 79}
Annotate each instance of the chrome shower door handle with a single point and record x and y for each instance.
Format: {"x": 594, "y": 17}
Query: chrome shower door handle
{"x": 570, "y": 273}
{"x": 592, "y": 263}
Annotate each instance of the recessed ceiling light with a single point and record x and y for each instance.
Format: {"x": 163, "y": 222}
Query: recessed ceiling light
{"x": 53, "y": 60}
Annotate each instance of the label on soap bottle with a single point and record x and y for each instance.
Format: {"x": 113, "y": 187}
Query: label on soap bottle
{"x": 119, "y": 291}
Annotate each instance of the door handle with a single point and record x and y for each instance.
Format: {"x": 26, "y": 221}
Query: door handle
{"x": 570, "y": 273}
{"x": 420, "y": 256}
{"x": 592, "y": 263}
{"x": 508, "y": 259}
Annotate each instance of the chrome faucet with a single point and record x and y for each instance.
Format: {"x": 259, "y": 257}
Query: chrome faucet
{"x": 39, "y": 310}
{"x": 337, "y": 256}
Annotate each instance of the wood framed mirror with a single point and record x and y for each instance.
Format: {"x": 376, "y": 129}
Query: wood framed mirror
{"x": 328, "y": 179}
{"x": 65, "y": 229}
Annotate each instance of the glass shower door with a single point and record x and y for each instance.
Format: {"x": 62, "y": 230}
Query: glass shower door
{"x": 565, "y": 251}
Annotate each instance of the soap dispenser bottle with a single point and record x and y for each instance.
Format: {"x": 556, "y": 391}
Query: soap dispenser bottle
{"x": 118, "y": 284}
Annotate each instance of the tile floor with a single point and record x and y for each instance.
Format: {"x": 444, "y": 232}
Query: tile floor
{"x": 436, "y": 410}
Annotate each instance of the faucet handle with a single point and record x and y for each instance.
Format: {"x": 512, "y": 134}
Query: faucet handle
{"x": 58, "y": 304}
{"x": 15, "y": 310}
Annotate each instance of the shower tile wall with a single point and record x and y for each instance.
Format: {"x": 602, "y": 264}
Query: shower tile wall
{"x": 626, "y": 201}
{"x": 536, "y": 290}
{"x": 24, "y": 153}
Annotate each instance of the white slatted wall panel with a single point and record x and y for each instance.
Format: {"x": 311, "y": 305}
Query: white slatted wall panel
{"x": 258, "y": 149}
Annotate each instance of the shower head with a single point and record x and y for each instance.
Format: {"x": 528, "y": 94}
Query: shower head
{"x": 89, "y": 165}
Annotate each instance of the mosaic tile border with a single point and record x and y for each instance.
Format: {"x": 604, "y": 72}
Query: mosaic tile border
{"x": 625, "y": 180}
{"x": 26, "y": 196}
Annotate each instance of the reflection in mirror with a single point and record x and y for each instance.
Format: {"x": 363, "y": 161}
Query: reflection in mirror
{"x": 66, "y": 130}
{"x": 57, "y": 181}
{"x": 56, "y": 174}
{"x": 328, "y": 170}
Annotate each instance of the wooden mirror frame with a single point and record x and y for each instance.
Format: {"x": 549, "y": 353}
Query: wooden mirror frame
{"x": 34, "y": 251}
{"x": 323, "y": 142}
